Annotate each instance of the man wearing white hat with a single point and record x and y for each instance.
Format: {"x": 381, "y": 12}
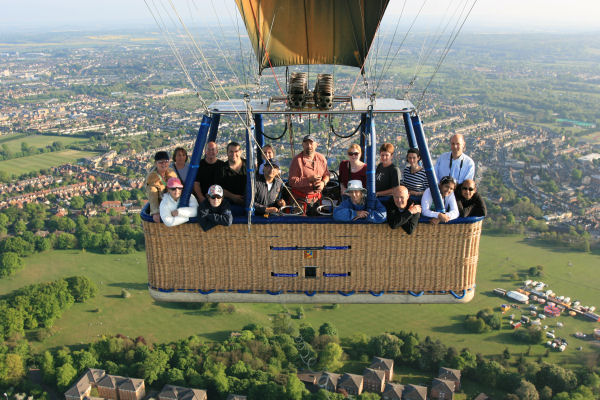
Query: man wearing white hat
{"x": 214, "y": 210}
{"x": 354, "y": 206}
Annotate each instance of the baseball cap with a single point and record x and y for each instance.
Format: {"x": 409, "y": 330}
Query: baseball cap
{"x": 215, "y": 190}
{"x": 309, "y": 137}
{"x": 174, "y": 183}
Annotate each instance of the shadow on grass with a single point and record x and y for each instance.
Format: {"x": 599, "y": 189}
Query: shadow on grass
{"x": 113, "y": 296}
{"x": 457, "y": 326}
{"x": 130, "y": 285}
{"x": 217, "y": 336}
{"x": 550, "y": 247}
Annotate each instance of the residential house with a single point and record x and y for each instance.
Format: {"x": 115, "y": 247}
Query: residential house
{"x": 351, "y": 383}
{"x": 121, "y": 388}
{"x": 310, "y": 380}
{"x": 82, "y": 388}
{"x": 373, "y": 380}
{"x": 482, "y": 396}
{"x": 170, "y": 392}
{"x": 384, "y": 364}
{"x": 393, "y": 391}
{"x": 236, "y": 397}
{"x": 328, "y": 381}
{"x": 414, "y": 392}
{"x": 450, "y": 375}
{"x": 442, "y": 389}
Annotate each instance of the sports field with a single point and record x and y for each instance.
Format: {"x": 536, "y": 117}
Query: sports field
{"x": 22, "y": 165}
{"x": 38, "y": 141}
{"x": 568, "y": 273}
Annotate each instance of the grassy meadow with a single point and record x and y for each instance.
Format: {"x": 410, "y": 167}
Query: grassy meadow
{"x": 568, "y": 273}
{"x": 22, "y": 165}
{"x": 13, "y": 142}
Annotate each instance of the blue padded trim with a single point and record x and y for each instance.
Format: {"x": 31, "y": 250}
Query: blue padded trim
{"x": 416, "y": 294}
{"x": 342, "y": 275}
{"x": 350, "y": 293}
{"x": 274, "y": 293}
{"x": 310, "y": 294}
{"x": 283, "y": 275}
{"x": 376, "y": 294}
{"x": 240, "y": 217}
{"x": 457, "y": 296}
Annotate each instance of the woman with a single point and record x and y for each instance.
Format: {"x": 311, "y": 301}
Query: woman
{"x": 353, "y": 168}
{"x": 387, "y": 175}
{"x": 447, "y": 185}
{"x": 354, "y": 206}
{"x": 180, "y": 163}
{"x": 156, "y": 182}
{"x": 170, "y": 212}
{"x": 414, "y": 176}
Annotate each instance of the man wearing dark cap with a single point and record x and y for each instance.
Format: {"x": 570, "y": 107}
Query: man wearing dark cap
{"x": 156, "y": 182}
{"x": 268, "y": 188}
{"x": 309, "y": 174}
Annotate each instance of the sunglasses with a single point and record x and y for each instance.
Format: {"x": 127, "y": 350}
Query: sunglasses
{"x": 216, "y": 197}
{"x": 353, "y": 153}
{"x": 470, "y": 189}
{"x": 176, "y": 188}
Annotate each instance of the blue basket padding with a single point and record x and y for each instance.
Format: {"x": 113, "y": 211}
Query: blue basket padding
{"x": 240, "y": 217}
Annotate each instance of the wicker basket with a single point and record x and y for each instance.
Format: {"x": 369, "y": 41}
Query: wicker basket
{"x": 313, "y": 263}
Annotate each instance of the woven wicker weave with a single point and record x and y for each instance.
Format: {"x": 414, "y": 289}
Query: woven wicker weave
{"x": 376, "y": 260}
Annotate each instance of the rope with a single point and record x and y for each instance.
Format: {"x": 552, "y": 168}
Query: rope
{"x": 446, "y": 50}
{"x": 177, "y": 57}
{"x": 266, "y": 52}
{"x": 280, "y": 136}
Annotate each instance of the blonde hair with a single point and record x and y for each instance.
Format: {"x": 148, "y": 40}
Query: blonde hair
{"x": 355, "y": 147}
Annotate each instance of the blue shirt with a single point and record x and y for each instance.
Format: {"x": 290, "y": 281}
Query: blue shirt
{"x": 346, "y": 212}
{"x": 460, "y": 169}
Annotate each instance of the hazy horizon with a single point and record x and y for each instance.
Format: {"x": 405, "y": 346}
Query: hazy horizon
{"x": 508, "y": 16}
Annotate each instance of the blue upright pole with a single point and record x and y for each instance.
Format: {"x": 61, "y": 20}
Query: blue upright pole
{"x": 259, "y": 129}
{"x": 363, "y": 135}
{"x": 410, "y": 132}
{"x": 249, "y": 170}
{"x": 214, "y": 128}
{"x": 195, "y": 161}
{"x": 371, "y": 157}
{"x": 427, "y": 164}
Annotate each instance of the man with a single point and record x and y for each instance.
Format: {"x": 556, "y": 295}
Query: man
{"x": 402, "y": 211}
{"x": 469, "y": 202}
{"x": 309, "y": 174}
{"x": 233, "y": 175}
{"x": 214, "y": 210}
{"x": 170, "y": 212}
{"x": 354, "y": 206}
{"x": 387, "y": 175}
{"x": 156, "y": 182}
{"x": 209, "y": 171}
{"x": 455, "y": 163}
{"x": 268, "y": 188}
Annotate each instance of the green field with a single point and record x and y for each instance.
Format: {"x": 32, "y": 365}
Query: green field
{"x": 567, "y": 273}
{"x": 38, "y": 141}
{"x": 18, "y": 166}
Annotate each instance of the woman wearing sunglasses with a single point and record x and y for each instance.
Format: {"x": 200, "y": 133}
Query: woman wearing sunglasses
{"x": 352, "y": 168}
{"x": 170, "y": 212}
{"x": 447, "y": 186}
{"x": 470, "y": 203}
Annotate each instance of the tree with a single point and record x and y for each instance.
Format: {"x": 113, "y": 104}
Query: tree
{"x": 84, "y": 359}
{"x": 66, "y": 241}
{"x": 153, "y": 366}
{"x": 12, "y": 370}
{"x": 20, "y": 226}
{"x": 327, "y": 329}
{"x": 294, "y": 388}
{"x": 307, "y": 333}
{"x": 16, "y": 245}
{"x": 527, "y": 391}
{"x": 77, "y": 202}
{"x": 64, "y": 375}
{"x": 556, "y": 377}
{"x": 81, "y": 288}
{"x": 330, "y": 357}
{"x": 386, "y": 345}
{"x": 9, "y": 263}
{"x": 47, "y": 367}
{"x": 282, "y": 324}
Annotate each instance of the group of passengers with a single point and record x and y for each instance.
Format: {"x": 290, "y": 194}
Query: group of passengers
{"x": 401, "y": 198}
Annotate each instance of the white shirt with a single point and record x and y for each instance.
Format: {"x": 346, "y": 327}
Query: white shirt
{"x": 185, "y": 213}
{"x": 428, "y": 207}
{"x": 460, "y": 169}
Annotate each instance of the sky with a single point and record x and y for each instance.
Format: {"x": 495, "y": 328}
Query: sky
{"x": 488, "y": 15}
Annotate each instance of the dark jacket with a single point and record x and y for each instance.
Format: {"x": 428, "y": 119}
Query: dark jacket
{"x": 264, "y": 197}
{"x": 401, "y": 218}
{"x": 209, "y": 217}
{"x": 470, "y": 208}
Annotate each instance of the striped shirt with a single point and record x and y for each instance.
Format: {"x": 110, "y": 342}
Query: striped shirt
{"x": 415, "y": 182}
